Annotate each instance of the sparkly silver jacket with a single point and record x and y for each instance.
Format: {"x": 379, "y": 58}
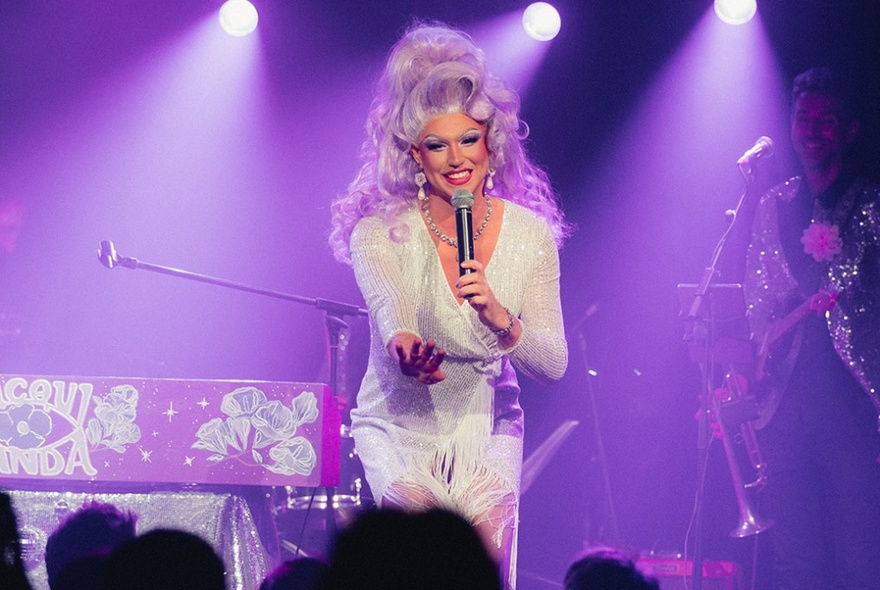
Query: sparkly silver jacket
{"x": 854, "y": 322}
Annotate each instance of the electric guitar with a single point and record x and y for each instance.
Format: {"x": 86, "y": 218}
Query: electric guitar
{"x": 820, "y": 303}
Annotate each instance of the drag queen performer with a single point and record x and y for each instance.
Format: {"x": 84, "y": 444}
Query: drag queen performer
{"x": 438, "y": 421}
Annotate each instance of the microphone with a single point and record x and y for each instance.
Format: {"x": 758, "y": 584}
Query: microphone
{"x": 107, "y": 254}
{"x": 763, "y": 148}
{"x": 462, "y": 201}
{"x": 108, "y": 257}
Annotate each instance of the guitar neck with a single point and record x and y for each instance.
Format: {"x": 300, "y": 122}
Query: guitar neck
{"x": 780, "y": 328}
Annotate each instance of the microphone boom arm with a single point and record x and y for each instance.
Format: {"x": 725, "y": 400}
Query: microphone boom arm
{"x": 110, "y": 258}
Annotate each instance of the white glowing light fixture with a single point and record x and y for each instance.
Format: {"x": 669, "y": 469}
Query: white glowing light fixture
{"x": 238, "y": 17}
{"x": 541, "y": 21}
{"x": 736, "y": 12}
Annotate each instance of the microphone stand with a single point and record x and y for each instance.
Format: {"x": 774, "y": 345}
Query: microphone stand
{"x": 334, "y": 312}
{"x": 609, "y": 531}
{"x": 702, "y": 332}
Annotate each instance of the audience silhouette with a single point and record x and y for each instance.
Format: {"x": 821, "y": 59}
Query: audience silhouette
{"x": 82, "y": 542}
{"x": 165, "y": 559}
{"x": 12, "y": 575}
{"x": 83, "y": 573}
{"x": 387, "y": 549}
{"x": 606, "y": 569}
{"x": 303, "y": 573}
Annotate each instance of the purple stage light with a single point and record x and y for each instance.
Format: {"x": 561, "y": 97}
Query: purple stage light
{"x": 736, "y": 12}
{"x": 541, "y": 21}
{"x": 238, "y": 17}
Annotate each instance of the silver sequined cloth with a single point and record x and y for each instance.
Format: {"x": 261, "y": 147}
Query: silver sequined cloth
{"x": 223, "y": 520}
{"x": 400, "y": 423}
{"x": 855, "y": 320}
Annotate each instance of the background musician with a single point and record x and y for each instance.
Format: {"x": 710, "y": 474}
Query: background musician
{"x": 819, "y": 232}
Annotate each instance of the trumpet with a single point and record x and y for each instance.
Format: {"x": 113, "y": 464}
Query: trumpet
{"x": 733, "y": 411}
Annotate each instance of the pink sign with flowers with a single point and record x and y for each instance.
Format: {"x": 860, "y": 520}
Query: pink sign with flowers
{"x": 168, "y": 431}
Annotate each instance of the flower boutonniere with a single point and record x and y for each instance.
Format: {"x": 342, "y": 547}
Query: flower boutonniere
{"x": 822, "y": 241}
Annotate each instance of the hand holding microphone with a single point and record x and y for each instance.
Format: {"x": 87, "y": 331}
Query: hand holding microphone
{"x": 462, "y": 202}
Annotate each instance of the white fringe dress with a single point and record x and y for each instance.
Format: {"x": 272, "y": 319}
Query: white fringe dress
{"x": 461, "y": 438}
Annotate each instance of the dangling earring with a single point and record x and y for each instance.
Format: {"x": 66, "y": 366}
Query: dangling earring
{"x": 490, "y": 184}
{"x": 421, "y": 181}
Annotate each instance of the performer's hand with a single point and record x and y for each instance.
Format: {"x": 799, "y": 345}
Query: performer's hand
{"x": 823, "y": 301}
{"x": 475, "y": 289}
{"x": 714, "y": 426}
{"x": 421, "y": 362}
{"x": 735, "y": 387}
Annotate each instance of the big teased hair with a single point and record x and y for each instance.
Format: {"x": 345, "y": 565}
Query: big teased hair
{"x": 435, "y": 70}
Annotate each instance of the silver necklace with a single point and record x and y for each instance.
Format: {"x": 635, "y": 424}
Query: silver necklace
{"x": 451, "y": 241}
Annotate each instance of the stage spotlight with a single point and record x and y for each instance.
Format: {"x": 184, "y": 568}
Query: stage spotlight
{"x": 541, "y": 21}
{"x": 238, "y": 17}
{"x": 735, "y": 12}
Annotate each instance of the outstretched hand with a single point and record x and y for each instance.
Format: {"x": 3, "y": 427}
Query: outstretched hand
{"x": 421, "y": 362}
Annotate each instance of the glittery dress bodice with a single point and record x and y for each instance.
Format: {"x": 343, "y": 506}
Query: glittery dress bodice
{"x": 473, "y": 417}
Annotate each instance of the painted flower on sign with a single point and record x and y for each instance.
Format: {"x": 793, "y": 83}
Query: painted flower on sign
{"x": 295, "y": 456}
{"x": 24, "y": 426}
{"x": 822, "y": 241}
{"x": 254, "y": 423}
{"x": 113, "y": 426}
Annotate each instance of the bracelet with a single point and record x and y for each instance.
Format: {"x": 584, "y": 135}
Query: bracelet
{"x": 509, "y": 328}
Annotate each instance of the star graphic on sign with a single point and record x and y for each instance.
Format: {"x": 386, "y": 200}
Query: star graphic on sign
{"x": 188, "y": 461}
{"x": 170, "y": 412}
{"x": 155, "y": 433}
{"x": 203, "y": 403}
{"x": 145, "y": 455}
{"x": 106, "y": 463}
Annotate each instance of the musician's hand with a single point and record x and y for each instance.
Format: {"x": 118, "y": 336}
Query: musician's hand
{"x": 823, "y": 301}
{"x": 415, "y": 360}
{"x": 476, "y": 290}
{"x": 714, "y": 427}
{"x": 735, "y": 387}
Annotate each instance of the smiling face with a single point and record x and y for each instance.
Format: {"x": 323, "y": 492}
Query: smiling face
{"x": 819, "y": 133}
{"x": 452, "y": 152}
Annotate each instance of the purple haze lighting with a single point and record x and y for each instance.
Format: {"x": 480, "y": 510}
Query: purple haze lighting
{"x": 541, "y": 21}
{"x": 736, "y": 12}
{"x": 238, "y": 17}
{"x": 512, "y": 54}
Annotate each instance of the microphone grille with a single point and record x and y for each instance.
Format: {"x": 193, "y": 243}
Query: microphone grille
{"x": 107, "y": 254}
{"x": 462, "y": 199}
{"x": 767, "y": 146}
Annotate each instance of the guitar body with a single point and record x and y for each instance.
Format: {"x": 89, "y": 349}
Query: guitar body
{"x": 777, "y": 352}
{"x": 776, "y": 367}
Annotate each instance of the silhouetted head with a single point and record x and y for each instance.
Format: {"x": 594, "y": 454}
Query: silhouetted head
{"x": 606, "y": 569}
{"x": 165, "y": 560}
{"x": 392, "y": 550}
{"x": 304, "y": 573}
{"x": 96, "y": 528}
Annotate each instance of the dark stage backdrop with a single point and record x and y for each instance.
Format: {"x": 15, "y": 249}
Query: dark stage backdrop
{"x": 137, "y": 122}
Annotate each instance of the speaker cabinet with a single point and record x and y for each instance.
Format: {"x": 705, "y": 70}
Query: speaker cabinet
{"x": 677, "y": 574}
